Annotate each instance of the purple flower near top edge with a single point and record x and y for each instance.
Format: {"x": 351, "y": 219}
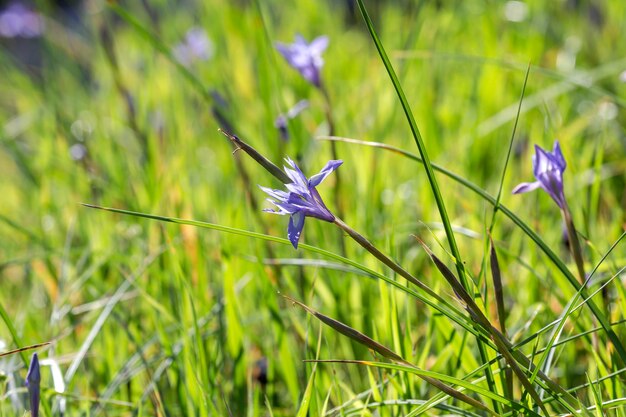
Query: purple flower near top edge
{"x": 305, "y": 57}
{"x": 33, "y": 381}
{"x": 302, "y": 199}
{"x": 19, "y": 21}
{"x": 548, "y": 169}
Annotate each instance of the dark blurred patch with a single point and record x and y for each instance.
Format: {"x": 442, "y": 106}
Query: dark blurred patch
{"x": 592, "y": 9}
{"x": 259, "y": 372}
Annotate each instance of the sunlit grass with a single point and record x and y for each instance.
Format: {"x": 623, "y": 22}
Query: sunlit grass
{"x": 149, "y": 317}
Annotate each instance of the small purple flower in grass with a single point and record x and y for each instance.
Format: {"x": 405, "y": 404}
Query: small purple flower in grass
{"x": 302, "y": 199}
{"x": 33, "y": 380}
{"x": 305, "y": 57}
{"x": 548, "y": 169}
{"x": 19, "y": 21}
{"x": 195, "y": 47}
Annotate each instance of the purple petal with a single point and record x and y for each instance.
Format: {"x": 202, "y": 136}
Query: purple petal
{"x": 297, "y": 188}
{"x": 297, "y": 108}
{"x": 526, "y": 187}
{"x": 558, "y": 156}
{"x": 541, "y": 161}
{"x": 300, "y": 41}
{"x": 277, "y": 194}
{"x": 33, "y": 380}
{"x": 296, "y": 224}
{"x": 552, "y": 183}
{"x": 295, "y": 174}
{"x": 286, "y": 51}
{"x": 318, "y": 45}
{"x": 315, "y": 180}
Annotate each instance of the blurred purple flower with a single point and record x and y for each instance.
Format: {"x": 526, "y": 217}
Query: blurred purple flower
{"x": 548, "y": 169}
{"x": 18, "y": 21}
{"x": 302, "y": 200}
{"x": 33, "y": 380}
{"x": 305, "y": 57}
{"x": 195, "y": 47}
{"x": 622, "y": 77}
{"x": 281, "y": 121}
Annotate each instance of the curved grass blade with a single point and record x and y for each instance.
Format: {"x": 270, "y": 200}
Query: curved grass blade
{"x": 467, "y": 385}
{"x": 478, "y": 315}
{"x": 604, "y": 322}
{"x": 417, "y": 136}
{"x": 384, "y": 351}
{"x": 447, "y": 309}
{"x": 456, "y": 411}
{"x": 441, "y": 397}
{"x": 16, "y": 338}
{"x": 508, "y": 153}
{"x": 303, "y": 411}
{"x": 432, "y": 180}
{"x": 569, "y": 310}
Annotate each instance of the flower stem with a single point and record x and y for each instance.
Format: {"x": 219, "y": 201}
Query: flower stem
{"x": 575, "y": 247}
{"x": 368, "y": 246}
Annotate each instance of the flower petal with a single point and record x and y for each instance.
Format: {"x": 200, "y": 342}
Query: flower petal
{"x": 541, "y": 161}
{"x": 332, "y": 165}
{"x": 285, "y": 50}
{"x": 295, "y": 174}
{"x": 296, "y": 224}
{"x": 526, "y": 187}
{"x": 33, "y": 380}
{"x": 277, "y": 194}
{"x": 318, "y": 45}
{"x": 558, "y": 156}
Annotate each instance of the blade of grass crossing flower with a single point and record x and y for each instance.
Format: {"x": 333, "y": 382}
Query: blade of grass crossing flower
{"x": 554, "y": 258}
{"x": 385, "y": 352}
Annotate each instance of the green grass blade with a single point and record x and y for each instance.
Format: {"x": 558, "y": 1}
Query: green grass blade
{"x": 466, "y": 385}
{"x": 447, "y": 310}
{"x": 384, "y": 351}
{"x": 16, "y": 338}
{"x": 508, "y": 152}
{"x": 432, "y": 180}
{"x": 554, "y": 258}
{"x": 417, "y": 136}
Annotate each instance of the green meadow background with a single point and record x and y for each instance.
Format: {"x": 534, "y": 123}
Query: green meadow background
{"x": 158, "y": 319}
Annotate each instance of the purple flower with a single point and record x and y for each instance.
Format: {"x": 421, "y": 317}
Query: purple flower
{"x": 195, "y": 47}
{"x": 33, "y": 380}
{"x": 18, "y": 21}
{"x": 305, "y": 57}
{"x": 548, "y": 169}
{"x": 301, "y": 199}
